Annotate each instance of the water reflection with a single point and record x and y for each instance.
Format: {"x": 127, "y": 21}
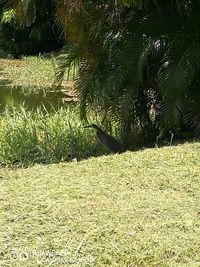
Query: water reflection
{"x": 33, "y": 99}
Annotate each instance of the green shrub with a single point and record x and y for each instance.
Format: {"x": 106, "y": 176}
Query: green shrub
{"x": 39, "y": 137}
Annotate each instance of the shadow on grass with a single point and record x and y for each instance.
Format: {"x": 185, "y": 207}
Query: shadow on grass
{"x": 99, "y": 151}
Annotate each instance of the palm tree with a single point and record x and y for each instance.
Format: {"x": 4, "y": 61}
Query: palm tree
{"x": 138, "y": 62}
{"x": 29, "y": 25}
{"x": 141, "y": 58}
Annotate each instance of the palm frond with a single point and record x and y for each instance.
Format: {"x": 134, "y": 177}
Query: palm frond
{"x": 171, "y": 112}
{"x": 179, "y": 66}
{"x": 192, "y": 116}
{"x": 67, "y": 60}
{"x": 25, "y": 11}
{"x": 128, "y": 3}
{"x": 132, "y": 53}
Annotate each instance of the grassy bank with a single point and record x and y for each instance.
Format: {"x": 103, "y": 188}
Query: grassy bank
{"x": 31, "y": 71}
{"x": 29, "y": 137}
{"x": 135, "y": 209}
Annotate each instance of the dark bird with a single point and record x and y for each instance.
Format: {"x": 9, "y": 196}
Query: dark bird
{"x": 106, "y": 139}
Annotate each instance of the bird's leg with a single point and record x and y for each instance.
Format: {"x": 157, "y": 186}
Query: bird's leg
{"x": 172, "y": 136}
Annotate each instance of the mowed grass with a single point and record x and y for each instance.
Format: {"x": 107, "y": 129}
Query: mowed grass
{"x": 32, "y": 71}
{"x": 134, "y": 209}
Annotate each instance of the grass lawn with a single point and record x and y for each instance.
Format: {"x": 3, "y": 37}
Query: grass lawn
{"x": 30, "y": 71}
{"x": 134, "y": 209}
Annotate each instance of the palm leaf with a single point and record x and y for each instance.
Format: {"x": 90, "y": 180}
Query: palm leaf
{"x": 128, "y": 3}
{"x": 25, "y": 11}
{"x": 192, "y": 116}
{"x": 179, "y": 66}
{"x": 68, "y": 60}
{"x": 178, "y": 69}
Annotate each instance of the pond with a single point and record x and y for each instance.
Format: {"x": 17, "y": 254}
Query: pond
{"x": 32, "y": 99}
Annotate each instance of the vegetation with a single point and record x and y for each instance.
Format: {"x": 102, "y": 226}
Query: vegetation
{"x": 137, "y": 67}
{"x": 138, "y": 61}
{"x": 33, "y": 71}
{"x": 143, "y": 65}
{"x": 29, "y": 137}
{"x": 27, "y": 27}
{"x": 134, "y": 209}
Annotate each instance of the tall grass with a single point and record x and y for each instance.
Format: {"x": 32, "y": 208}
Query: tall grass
{"x": 40, "y": 137}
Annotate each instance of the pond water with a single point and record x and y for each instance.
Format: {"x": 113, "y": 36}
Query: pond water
{"x": 32, "y": 99}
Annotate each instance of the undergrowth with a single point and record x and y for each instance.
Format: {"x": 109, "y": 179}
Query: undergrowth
{"x": 40, "y": 137}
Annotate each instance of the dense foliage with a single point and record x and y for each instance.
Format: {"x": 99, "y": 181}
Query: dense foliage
{"x": 28, "y": 137}
{"x": 27, "y": 27}
{"x": 138, "y": 62}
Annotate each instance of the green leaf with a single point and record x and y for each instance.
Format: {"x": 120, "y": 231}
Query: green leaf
{"x": 29, "y": 11}
{"x": 8, "y": 16}
{"x": 178, "y": 69}
{"x": 128, "y": 3}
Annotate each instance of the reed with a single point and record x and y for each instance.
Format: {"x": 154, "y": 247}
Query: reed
{"x": 28, "y": 137}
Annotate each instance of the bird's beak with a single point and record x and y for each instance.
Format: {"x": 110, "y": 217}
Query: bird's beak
{"x": 87, "y": 126}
